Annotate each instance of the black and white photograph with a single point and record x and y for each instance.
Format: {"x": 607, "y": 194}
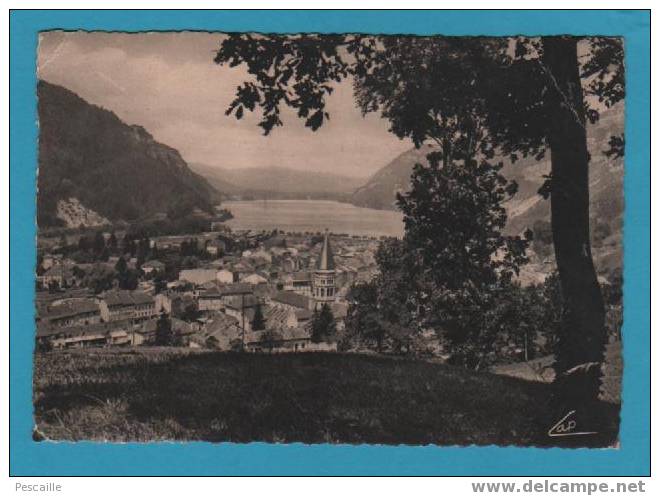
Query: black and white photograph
{"x": 329, "y": 238}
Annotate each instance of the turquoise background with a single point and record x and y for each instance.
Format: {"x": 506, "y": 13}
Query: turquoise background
{"x": 86, "y": 458}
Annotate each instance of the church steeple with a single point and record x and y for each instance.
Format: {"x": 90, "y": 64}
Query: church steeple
{"x": 326, "y": 260}
{"x": 323, "y": 280}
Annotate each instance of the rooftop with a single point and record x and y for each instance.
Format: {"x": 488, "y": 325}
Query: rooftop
{"x": 292, "y": 299}
{"x": 126, "y": 298}
{"x": 71, "y": 308}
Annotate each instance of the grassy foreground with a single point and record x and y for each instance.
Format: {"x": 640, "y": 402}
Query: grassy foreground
{"x": 147, "y": 395}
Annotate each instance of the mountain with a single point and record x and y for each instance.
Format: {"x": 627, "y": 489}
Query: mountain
{"x": 278, "y": 182}
{"x": 605, "y": 177}
{"x": 528, "y": 209}
{"x": 95, "y": 168}
{"x": 380, "y": 190}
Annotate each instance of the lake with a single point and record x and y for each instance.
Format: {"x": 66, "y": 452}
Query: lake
{"x": 313, "y": 215}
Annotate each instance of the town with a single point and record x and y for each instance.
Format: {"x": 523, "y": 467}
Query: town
{"x": 222, "y": 290}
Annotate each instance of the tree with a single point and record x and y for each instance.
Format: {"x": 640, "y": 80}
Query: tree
{"x": 99, "y": 243}
{"x": 101, "y": 282}
{"x": 363, "y": 321}
{"x": 160, "y": 283}
{"x": 542, "y": 242}
{"x": 553, "y": 302}
{"x": 258, "y": 321}
{"x": 121, "y": 266}
{"x": 143, "y": 250}
{"x": 112, "y": 242}
{"x": 529, "y": 94}
{"x": 324, "y": 326}
{"x": 399, "y": 293}
{"x": 83, "y": 243}
{"x": 104, "y": 255}
{"x": 190, "y": 313}
{"x": 454, "y": 219}
{"x": 164, "y": 334}
{"x": 126, "y": 243}
{"x": 128, "y": 279}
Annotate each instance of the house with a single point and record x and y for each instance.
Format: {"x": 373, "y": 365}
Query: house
{"x": 222, "y": 332}
{"x": 242, "y": 269}
{"x": 270, "y": 272}
{"x": 60, "y": 275}
{"x": 290, "y": 264}
{"x": 172, "y": 303}
{"x": 242, "y": 308}
{"x": 236, "y": 289}
{"x": 299, "y": 282}
{"x": 153, "y": 266}
{"x": 44, "y": 299}
{"x": 117, "y": 333}
{"x": 216, "y": 247}
{"x": 287, "y": 340}
{"x": 126, "y": 305}
{"x": 73, "y": 312}
{"x": 211, "y": 299}
{"x": 255, "y": 279}
{"x": 292, "y": 300}
{"x": 185, "y": 331}
{"x": 225, "y": 276}
{"x": 279, "y": 317}
{"x": 197, "y": 276}
{"x": 49, "y": 261}
{"x": 261, "y": 256}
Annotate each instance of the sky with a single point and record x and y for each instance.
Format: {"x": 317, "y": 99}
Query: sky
{"x": 169, "y": 84}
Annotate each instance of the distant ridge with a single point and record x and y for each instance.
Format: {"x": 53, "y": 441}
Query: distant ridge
{"x": 278, "y": 182}
{"x": 528, "y": 209}
{"x": 90, "y": 159}
{"x": 606, "y": 178}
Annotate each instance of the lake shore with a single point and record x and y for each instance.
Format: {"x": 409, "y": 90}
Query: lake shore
{"x": 313, "y": 216}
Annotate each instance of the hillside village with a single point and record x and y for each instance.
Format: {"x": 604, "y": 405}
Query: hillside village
{"x": 220, "y": 290}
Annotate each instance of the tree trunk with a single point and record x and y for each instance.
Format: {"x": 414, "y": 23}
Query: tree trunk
{"x": 582, "y": 340}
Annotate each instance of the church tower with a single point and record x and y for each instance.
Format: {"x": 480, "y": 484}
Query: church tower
{"x": 323, "y": 280}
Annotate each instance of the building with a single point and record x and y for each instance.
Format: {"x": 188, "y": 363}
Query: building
{"x": 288, "y": 340}
{"x": 279, "y": 317}
{"x": 243, "y": 269}
{"x": 289, "y": 299}
{"x": 118, "y": 333}
{"x": 324, "y": 287}
{"x": 197, "y": 276}
{"x": 225, "y": 276}
{"x": 211, "y": 299}
{"x": 242, "y": 308}
{"x": 73, "y": 312}
{"x": 173, "y": 303}
{"x": 236, "y": 289}
{"x": 298, "y": 282}
{"x": 49, "y": 261}
{"x": 216, "y": 247}
{"x": 60, "y": 275}
{"x": 222, "y": 332}
{"x": 255, "y": 279}
{"x": 291, "y": 264}
{"x": 126, "y": 305}
{"x": 153, "y": 266}
{"x": 184, "y": 331}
